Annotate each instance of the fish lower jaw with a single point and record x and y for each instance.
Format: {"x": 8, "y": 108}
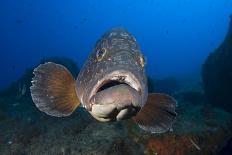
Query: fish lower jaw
{"x": 115, "y": 78}
{"x": 115, "y": 114}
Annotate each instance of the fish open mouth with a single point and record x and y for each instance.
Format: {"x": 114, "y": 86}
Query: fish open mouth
{"x": 116, "y": 78}
{"x": 116, "y": 96}
{"x": 109, "y": 84}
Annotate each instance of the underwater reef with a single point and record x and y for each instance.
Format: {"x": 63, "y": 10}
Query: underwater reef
{"x": 217, "y": 74}
{"x": 200, "y": 128}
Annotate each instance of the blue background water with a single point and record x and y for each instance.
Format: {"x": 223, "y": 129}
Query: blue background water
{"x": 176, "y": 36}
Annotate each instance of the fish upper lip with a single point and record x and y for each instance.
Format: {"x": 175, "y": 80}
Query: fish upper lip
{"x": 121, "y": 76}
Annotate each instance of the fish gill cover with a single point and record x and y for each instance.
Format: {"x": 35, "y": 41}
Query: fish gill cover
{"x": 176, "y": 36}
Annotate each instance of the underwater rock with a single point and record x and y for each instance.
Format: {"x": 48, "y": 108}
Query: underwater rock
{"x": 192, "y": 97}
{"x": 217, "y": 74}
{"x": 204, "y": 143}
{"x": 227, "y": 149}
{"x": 2, "y": 115}
{"x": 97, "y": 138}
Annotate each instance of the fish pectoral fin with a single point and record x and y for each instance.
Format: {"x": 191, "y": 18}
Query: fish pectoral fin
{"x": 158, "y": 114}
{"x": 53, "y": 90}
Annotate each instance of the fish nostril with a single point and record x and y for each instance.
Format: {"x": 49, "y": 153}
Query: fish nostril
{"x": 121, "y": 78}
{"x": 112, "y": 83}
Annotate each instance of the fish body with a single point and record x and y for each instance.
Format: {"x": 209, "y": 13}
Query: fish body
{"x": 111, "y": 86}
{"x": 116, "y": 59}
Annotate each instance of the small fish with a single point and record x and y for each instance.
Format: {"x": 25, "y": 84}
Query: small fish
{"x": 111, "y": 86}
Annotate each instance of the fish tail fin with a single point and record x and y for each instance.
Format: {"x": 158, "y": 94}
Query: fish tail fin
{"x": 158, "y": 114}
{"x": 53, "y": 90}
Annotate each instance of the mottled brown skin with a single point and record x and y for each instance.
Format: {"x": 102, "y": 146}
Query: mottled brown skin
{"x": 116, "y": 57}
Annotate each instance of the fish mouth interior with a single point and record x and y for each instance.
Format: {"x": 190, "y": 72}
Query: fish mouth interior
{"x": 116, "y": 78}
{"x": 109, "y": 84}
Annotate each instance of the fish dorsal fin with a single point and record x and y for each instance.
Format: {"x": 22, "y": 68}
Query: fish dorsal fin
{"x": 158, "y": 114}
{"x": 53, "y": 90}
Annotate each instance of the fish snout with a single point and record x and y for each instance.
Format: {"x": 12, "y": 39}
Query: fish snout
{"x": 115, "y": 103}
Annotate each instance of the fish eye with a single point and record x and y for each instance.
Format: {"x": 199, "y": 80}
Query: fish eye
{"x": 141, "y": 60}
{"x": 100, "y": 54}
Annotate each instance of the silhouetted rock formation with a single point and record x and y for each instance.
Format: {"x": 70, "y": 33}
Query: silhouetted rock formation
{"x": 193, "y": 97}
{"x": 217, "y": 74}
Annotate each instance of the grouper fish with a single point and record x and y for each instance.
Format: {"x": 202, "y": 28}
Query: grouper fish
{"x": 111, "y": 86}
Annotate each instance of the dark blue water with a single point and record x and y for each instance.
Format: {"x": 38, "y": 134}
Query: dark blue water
{"x": 176, "y": 36}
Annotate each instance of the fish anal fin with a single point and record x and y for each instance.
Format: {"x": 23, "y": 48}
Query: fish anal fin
{"x": 53, "y": 90}
{"x": 158, "y": 114}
